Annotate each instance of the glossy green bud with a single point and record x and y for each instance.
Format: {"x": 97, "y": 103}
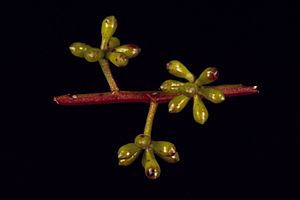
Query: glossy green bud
{"x": 113, "y": 42}
{"x": 118, "y": 59}
{"x": 93, "y": 54}
{"x": 128, "y": 153}
{"x": 171, "y": 159}
{"x": 213, "y": 95}
{"x": 142, "y": 141}
{"x": 189, "y": 89}
{"x": 152, "y": 169}
{"x": 178, "y": 103}
{"x": 127, "y": 150}
{"x": 109, "y": 26}
{"x": 209, "y": 75}
{"x": 163, "y": 148}
{"x": 199, "y": 110}
{"x": 129, "y": 50}
{"x": 177, "y": 69}
{"x": 171, "y": 86}
{"x": 78, "y": 49}
{"x": 130, "y": 160}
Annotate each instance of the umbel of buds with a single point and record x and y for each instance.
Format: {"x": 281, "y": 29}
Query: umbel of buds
{"x": 110, "y": 47}
{"x": 192, "y": 89}
{"x": 128, "y": 153}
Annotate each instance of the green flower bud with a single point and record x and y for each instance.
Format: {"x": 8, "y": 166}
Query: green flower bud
{"x": 213, "y": 95}
{"x": 209, "y": 75}
{"x": 78, "y": 49}
{"x": 129, "y": 50}
{"x": 199, "y": 110}
{"x": 128, "y": 153}
{"x": 109, "y": 26}
{"x": 142, "y": 141}
{"x": 177, "y": 69}
{"x": 163, "y": 148}
{"x": 93, "y": 54}
{"x": 113, "y": 42}
{"x": 152, "y": 169}
{"x": 171, "y": 159}
{"x": 171, "y": 86}
{"x": 130, "y": 160}
{"x": 118, "y": 59}
{"x": 189, "y": 89}
{"x": 178, "y": 103}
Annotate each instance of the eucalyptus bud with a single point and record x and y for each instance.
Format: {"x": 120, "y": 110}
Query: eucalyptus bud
{"x": 113, "y": 42}
{"x": 78, "y": 49}
{"x": 118, "y": 59}
{"x": 213, "y": 95}
{"x": 152, "y": 169}
{"x": 109, "y": 26}
{"x": 128, "y": 153}
{"x": 178, "y": 103}
{"x": 93, "y": 54}
{"x": 129, "y": 50}
{"x": 142, "y": 141}
{"x": 171, "y": 86}
{"x": 209, "y": 75}
{"x": 171, "y": 159}
{"x": 176, "y": 68}
{"x": 164, "y": 148}
{"x": 199, "y": 110}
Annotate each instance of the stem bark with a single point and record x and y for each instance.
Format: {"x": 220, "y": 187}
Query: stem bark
{"x": 141, "y": 96}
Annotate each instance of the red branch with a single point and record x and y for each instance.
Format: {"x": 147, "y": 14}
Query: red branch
{"x": 141, "y": 96}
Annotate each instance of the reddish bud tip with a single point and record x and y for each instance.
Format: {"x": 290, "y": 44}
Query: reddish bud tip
{"x": 212, "y": 74}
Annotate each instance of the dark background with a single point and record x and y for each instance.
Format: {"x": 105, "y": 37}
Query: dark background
{"x": 246, "y": 150}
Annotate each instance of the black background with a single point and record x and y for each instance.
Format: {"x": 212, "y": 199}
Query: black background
{"x": 246, "y": 150}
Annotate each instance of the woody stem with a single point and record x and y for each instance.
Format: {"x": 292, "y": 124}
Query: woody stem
{"x": 141, "y": 96}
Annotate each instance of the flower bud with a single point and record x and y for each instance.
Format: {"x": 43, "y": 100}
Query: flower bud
{"x": 78, "y": 49}
{"x": 109, "y": 26}
{"x": 213, "y": 95}
{"x": 113, "y": 42}
{"x": 209, "y": 75}
{"x": 171, "y": 159}
{"x": 93, "y": 54}
{"x": 142, "y": 141}
{"x": 152, "y": 169}
{"x": 128, "y": 153}
{"x": 171, "y": 86}
{"x": 178, "y": 103}
{"x": 199, "y": 110}
{"x": 118, "y": 59}
{"x": 164, "y": 148}
{"x": 177, "y": 69}
{"x": 129, "y": 50}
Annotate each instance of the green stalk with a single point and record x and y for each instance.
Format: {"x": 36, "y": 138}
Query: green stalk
{"x": 108, "y": 75}
{"x": 150, "y": 117}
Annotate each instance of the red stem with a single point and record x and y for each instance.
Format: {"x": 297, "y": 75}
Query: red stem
{"x": 141, "y": 96}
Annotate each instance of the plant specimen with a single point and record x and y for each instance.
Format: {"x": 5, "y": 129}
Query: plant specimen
{"x": 176, "y": 93}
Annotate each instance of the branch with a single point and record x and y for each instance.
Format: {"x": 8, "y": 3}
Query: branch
{"x": 141, "y": 96}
